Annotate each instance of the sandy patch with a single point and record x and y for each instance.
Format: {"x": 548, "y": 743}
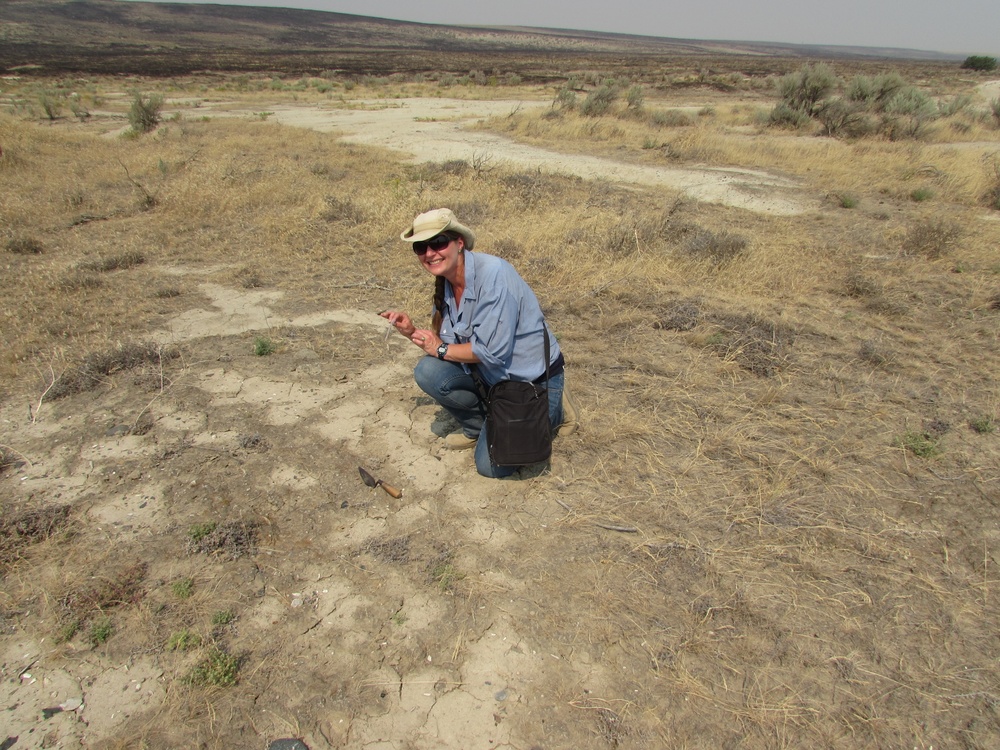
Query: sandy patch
{"x": 435, "y": 130}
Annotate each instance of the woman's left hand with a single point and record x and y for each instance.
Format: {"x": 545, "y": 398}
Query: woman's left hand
{"x": 426, "y": 340}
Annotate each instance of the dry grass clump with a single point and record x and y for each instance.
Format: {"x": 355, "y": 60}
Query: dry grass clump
{"x": 230, "y": 539}
{"x": 20, "y": 530}
{"x": 759, "y": 346}
{"x": 717, "y": 247}
{"x": 105, "y": 589}
{"x": 24, "y": 246}
{"x": 932, "y": 238}
{"x": 388, "y": 549}
{"x": 120, "y": 262}
{"x": 98, "y": 367}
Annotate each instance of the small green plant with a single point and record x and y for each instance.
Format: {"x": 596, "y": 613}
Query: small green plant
{"x": 223, "y": 617}
{"x": 67, "y": 631}
{"x": 920, "y": 444}
{"x": 217, "y": 669}
{"x": 445, "y": 575}
{"x": 100, "y": 630}
{"x": 921, "y": 194}
{"x": 848, "y": 200}
{"x": 262, "y": 346}
{"x": 399, "y": 618}
{"x": 183, "y": 588}
{"x": 183, "y": 640}
{"x": 200, "y": 530}
{"x": 982, "y": 425}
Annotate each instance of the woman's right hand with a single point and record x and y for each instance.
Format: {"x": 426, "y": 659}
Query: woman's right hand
{"x": 400, "y": 321}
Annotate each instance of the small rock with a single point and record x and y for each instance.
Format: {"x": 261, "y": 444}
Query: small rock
{"x": 296, "y": 602}
{"x": 71, "y": 704}
{"x": 288, "y": 744}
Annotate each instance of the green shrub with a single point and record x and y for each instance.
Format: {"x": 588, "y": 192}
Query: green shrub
{"x": 144, "y": 114}
{"x": 223, "y": 617}
{"x": 921, "y": 194}
{"x": 980, "y": 62}
{"x": 848, "y": 200}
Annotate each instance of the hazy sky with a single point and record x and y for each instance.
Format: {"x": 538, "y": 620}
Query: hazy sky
{"x": 960, "y": 26}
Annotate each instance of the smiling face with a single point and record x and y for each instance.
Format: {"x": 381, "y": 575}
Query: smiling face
{"x": 447, "y": 261}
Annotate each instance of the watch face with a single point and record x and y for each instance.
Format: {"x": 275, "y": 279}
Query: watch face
{"x": 442, "y": 350}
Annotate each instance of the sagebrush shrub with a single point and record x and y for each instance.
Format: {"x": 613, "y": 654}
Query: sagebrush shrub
{"x": 144, "y": 114}
{"x": 598, "y": 101}
{"x": 785, "y": 116}
{"x": 804, "y": 89}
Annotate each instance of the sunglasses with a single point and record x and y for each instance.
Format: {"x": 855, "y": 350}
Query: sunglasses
{"x": 440, "y": 242}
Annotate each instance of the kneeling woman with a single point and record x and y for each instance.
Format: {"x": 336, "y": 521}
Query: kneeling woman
{"x": 485, "y": 316}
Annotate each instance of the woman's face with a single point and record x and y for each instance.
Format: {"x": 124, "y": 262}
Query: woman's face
{"x": 438, "y": 258}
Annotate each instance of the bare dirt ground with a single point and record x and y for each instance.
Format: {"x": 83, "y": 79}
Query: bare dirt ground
{"x": 539, "y": 612}
{"x": 436, "y": 130}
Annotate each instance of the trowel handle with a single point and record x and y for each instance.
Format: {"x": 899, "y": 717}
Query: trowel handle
{"x": 391, "y": 490}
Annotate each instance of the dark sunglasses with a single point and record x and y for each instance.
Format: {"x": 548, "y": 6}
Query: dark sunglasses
{"x": 440, "y": 242}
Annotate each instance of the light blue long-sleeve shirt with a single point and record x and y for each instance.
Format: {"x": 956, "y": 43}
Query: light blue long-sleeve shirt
{"x": 501, "y": 317}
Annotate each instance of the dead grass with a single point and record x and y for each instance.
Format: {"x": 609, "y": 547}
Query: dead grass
{"x": 99, "y": 368}
{"x": 20, "y": 530}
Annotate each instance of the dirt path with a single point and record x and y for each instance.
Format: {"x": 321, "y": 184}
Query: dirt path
{"x": 437, "y": 130}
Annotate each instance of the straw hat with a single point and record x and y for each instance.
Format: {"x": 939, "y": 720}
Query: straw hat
{"x": 432, "y": 223}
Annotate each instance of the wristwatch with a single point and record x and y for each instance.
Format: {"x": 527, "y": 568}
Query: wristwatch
{"x": 442, "y": 350}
